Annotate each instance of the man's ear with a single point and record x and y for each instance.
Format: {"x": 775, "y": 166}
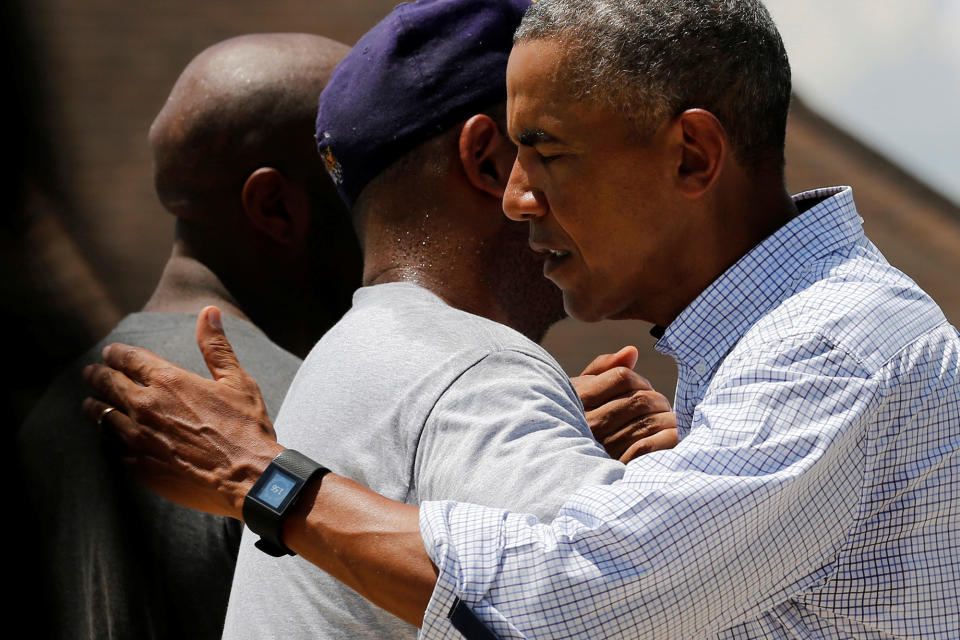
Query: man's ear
{"x": 703, "y": 144}
{"x": 276, "y": 206}
{"x": 486, "y": 154}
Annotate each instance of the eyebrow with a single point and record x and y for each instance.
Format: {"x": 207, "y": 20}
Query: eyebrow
{"x": 531, "y": 137}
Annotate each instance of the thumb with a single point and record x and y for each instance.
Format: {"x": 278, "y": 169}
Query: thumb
{"x": 626, "y": 357}
{"x": 216, "y": 349}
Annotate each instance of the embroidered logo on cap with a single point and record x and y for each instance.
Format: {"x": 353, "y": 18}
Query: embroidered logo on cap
{"x": 330, "y": 163}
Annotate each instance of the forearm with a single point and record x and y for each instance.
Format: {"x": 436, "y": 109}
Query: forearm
{"x": 368, "y": 542}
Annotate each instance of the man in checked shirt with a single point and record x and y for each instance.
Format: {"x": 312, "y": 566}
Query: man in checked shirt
{"x": 815, "y": 492}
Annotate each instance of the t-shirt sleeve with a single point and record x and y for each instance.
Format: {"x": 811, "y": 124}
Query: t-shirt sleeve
{"x": 509, "y": 432}
{"x": 748, "y": 509}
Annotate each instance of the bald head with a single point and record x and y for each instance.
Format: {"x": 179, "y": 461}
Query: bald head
{"x": 244, "y": 103}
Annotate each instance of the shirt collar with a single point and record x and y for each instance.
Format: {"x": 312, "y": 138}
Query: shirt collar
{"x": 701, "y": 336}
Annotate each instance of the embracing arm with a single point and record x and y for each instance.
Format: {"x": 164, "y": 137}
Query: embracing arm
{"x": 370, "y": 543}
{"x": 751, "y": 508}
{"x": 203, "y": 443}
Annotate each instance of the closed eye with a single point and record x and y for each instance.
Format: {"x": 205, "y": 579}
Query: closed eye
{"x": 545, "y": 159}
{"x": 535, "y": 139}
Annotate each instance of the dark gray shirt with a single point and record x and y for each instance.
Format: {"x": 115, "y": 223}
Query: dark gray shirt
{"x": 118, "y": 561}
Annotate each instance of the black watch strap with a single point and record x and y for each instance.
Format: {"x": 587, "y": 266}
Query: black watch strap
{"x": 273, "y": 495}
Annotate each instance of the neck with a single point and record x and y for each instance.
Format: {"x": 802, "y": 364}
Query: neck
{"x": 187, "y": 285}
{"x": 482, "y": 278}
{"x": 289, "y": 316}
{"x": 750, "y": 212}
{"x": 458, "y": 245}
{"x": 461, "y": 288}
{"x": 744, "y": 216}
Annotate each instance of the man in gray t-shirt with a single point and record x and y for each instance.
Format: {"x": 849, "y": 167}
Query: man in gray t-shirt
{"x": 446, "y": 404}
{"x": 436, "y": 365}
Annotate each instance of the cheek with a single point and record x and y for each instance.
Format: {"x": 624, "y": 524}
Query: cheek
{"x": 602, "y": 236}
{"x": 601, "y": 209}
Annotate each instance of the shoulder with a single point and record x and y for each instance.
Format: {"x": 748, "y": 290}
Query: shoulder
{"x": 852, "y": 303}
{"x": 171, "y": 336}
{"x": 60, "y": 402}
{"x": 516, "y": 374}
{"x": 509, "y": 431}
{"x": 405, "y": 326}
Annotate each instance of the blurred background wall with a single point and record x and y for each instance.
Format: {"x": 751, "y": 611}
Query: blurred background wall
{"x": 83, "y": 238}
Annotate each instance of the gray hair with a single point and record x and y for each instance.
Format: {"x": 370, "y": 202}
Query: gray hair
{"x": 653, "y": 59}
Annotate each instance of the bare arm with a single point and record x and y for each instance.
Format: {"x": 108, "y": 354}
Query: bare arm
{"x": 368, "y": 542}
{"x": 203, "y": 443}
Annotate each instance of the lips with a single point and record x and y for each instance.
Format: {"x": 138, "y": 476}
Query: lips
{"x": 553, "y": 256}
{"x": 548, "y": 249}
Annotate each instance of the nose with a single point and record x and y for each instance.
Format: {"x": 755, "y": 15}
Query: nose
{"x": 521, "y": 200}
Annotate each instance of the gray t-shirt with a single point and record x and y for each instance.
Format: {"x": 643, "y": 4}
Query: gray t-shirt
{"x": 116, "y": 560}
{"x": 418, "y": 401}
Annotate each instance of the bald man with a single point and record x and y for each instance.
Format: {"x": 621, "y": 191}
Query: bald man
{"x": 260, "y": 231}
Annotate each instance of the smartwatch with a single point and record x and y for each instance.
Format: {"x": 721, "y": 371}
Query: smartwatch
{"x": 274, "y": 494}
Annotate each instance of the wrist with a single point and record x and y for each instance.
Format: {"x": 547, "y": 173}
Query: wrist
{"x": 248, "y": 471}
{"x": 274, "y": 496}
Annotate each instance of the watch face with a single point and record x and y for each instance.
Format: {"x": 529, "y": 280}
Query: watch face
{"x": 276, "y": 488}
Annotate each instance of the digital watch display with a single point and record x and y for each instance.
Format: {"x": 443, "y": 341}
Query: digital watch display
{"x": 274, "y": 494}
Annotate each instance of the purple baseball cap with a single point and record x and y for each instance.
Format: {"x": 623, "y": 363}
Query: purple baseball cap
{"x": 419, "y": 71}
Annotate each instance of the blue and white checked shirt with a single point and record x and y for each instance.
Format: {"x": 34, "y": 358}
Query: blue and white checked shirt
{"x": 815, "y": 492}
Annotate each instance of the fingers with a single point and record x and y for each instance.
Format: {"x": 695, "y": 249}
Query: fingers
{"x": 665, "y": 439}
{"x": 112, "y": 386}
{"x": 133, "y": 436}
{"x": 626, "y": 357}
{"x": 595, "y": 390}
{"x": 127, "y": 440}
{"x": 95, "y": 410}
{"x": 618, "y": 414}
{"x": 217, "y": 352}
{"x": 642, "y": 436}
{"x": 137, "y": 364}
{"x": 631, "y": 426}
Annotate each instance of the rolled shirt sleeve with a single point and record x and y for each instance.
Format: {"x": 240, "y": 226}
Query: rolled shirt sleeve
{"x": 815, "y": 492}
{"x": 750, "y": 509}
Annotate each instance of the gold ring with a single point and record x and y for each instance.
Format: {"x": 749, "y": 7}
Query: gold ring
{"x": 103, "y": 414}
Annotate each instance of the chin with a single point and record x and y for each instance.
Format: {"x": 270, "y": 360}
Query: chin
{"x": 587, "y": 308}
{"x": 582, "y": 310}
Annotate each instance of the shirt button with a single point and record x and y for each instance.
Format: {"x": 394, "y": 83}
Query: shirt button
{"x": 700, "y": 368}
